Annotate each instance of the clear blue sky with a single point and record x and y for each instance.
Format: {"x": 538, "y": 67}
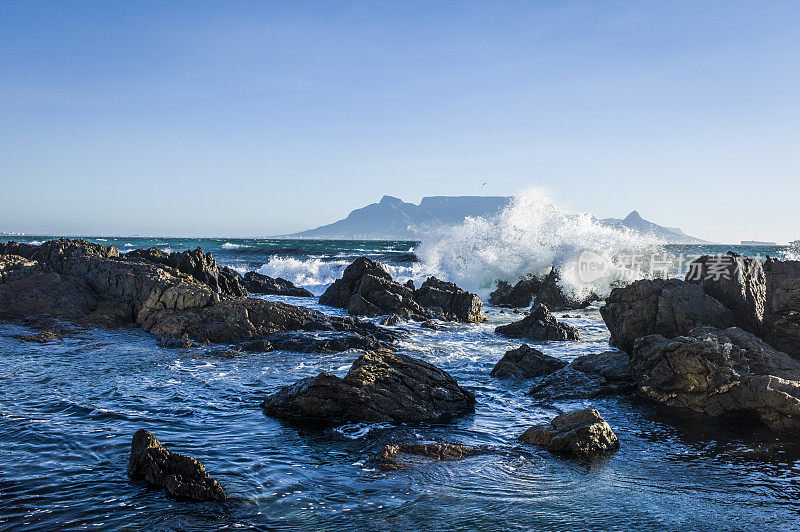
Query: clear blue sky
{"x": 258, "y": 118}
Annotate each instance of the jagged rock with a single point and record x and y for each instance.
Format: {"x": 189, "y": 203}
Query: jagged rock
{"x": 719, "y": 373}
{"x": 410, "y": 285}
{"x": 667, "y": 307}
{"x": 612, "y": 365}
{"x": 381, "y": 386}
{"x": 782, "y": 307}
{"x": 392, "y": 319}
{"x": 257, "y": 283}
{"x": 545, "y": 291}
{"x": 389, "y": 458}
{"x": 539, "y": 325}
{"x": 231, "y": 282}
{"x": 367, "y": 289}
{"x": 735, "y": 281}
{"x": 85, "y": 282}
{"x": 526, "y": 362}
{"x": 43, "y": 337}
{"x": 582, "y": 433}
{"x": 449, "y": 302}
{"x": 181, "y": 476}
{"x": 587, "y": 377}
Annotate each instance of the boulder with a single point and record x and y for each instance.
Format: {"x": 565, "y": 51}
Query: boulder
{"x": 381, "y": 386}
{"x": 782, "y": 308}
{"x": 449, "y": 302}
{"x": 581, "y": 433}
{"x": 540, "y": 324}
{"x": 587, "y": 377}
{"x": 390, "y": 457}
{"x": 181, "y": 476}
{"x": 526, "y": 362}
{"x": 367, "y": 289}
{"x": 735, "y": 281}
{"x": 668, "y": 307}
{"x": 545, "y": 291}
{"x": 392, "y": 319}
{"x": 720, "y": 373}
{"x": 257, "y": 283}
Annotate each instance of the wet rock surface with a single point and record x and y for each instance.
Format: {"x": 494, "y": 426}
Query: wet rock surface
{"x": 667, "y": 307}
{"x": 257, "y": 283}
{"x": 540, "y": 324}
{"x": 381, "y": 386}
{"x": 525, "y": 362}
{"x": 720, "y": 373}
{"x": 391, "y": 457}
{"x": 782, "y": 306}
{"x": 587, "y": 377}
{"x": 180, "y": 476}
{"x": 534, "y": 291}
{"x": 367, "y": 289}
{"x": 582, "y": 433}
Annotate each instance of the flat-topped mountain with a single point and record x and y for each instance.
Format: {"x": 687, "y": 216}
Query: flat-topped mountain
{"x": 393, "y": 219}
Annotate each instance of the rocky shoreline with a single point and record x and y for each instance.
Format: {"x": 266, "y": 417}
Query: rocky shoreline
{"x": 719, "y": 345}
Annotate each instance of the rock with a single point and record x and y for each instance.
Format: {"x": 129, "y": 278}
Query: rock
{"x": 328, "y": 342}
{"x": 526, "y": 362}
{"x": 410, "y": 285}
{"x": 539, "y": 325}
{"x": 587, "y": 377}
{"x": 612, "y": 365}
{"x": 545, "y": 291}
{"x": 782, "y": 307}
{"x": 719, "y": 373}
{"x": 392, "y": 319}
{"x": 735, "y": 281}
{"x": 231, "y": 282}
{"x": 389, "y": 458}
{"x": 381, "y": 386}
{"x": 667, "y": 307}
{"x": 367, "y": 289}
{"x": 582, "y": 433}
{"x": 43, "y": 337}
{"x": 449, "y": 302}
{"x": 432, "y": 325}
{"x": 181, "y": 476}
{"x": 257, "y": 283}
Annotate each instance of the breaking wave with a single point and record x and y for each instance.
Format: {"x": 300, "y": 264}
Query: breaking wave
{"x": 529, "y": 236}
{"x": 231, "y": 245}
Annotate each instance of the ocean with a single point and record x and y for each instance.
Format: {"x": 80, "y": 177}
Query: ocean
{"x": 68, "y": 412}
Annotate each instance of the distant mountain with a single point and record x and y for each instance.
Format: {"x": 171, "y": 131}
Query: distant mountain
{"x": 392, "y": 218}
{"x": 670, "y": 235}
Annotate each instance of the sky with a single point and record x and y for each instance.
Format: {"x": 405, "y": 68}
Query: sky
{"x": 259, "y": 118}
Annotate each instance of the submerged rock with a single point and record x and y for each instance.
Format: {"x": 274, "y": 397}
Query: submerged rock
{"x": 381, "y": 386}
{"x": 735, "y": 281}
{"x": 181, "y": 476}
{"x": 719, "y": 373}
{"x": 525, "y": 362}
{"x": 782, "y": 306}
{"x": 389, "y": 458}
{"x": 257, "y": 283}
{"x": 667, "y": 307}
{"x": 367, "y": 289}
{"x": 540, "y": 324}
{"x": 582, "y": 433}
{"x": 43, "y": 337}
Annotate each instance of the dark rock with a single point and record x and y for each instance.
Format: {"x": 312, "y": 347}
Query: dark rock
{"x": 257, "y": 283}
{"x": 231, "y": 282}
{"x": 545, "y": 291}
{"x": 410, "y": 285}
{"x": 389, "y": 458}
{"x": 782, "y": 308}
{"x": 392, "y": 319}
{"x": 667, "y": 307}
{"x": 526, "y": 362}
{"x": 181, "y": 476}
{"x": 180, "y": 342}
{"x": 432, "y": 325}
{"x": 381, "y": 386}
{"x": 367, "y": 289}
{"x": 450, "y": 301}
{"x": 587, "y": 377}
{"x": 582, "y": 433}
{"x": 720, "y": 373}
{"x": 329, "y": 342}
{"x": 539, "y": 325}
{"x": 735, "y": 281}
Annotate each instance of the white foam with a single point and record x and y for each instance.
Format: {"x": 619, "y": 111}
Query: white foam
{"x": 528, "y": 237}
{"x": 36, "y": 242}
{"x": 231, "y": 245}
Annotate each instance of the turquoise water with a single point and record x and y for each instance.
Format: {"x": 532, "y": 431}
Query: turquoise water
{"x": 68, "y": 412}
